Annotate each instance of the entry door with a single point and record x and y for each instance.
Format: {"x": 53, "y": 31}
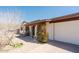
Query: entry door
{"x": 33, "y": 30}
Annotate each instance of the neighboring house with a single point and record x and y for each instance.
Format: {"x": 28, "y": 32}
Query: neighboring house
{"x": 23, "y": 29}
{"x": 65, "y": 28}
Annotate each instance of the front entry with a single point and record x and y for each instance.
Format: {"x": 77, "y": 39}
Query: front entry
{"x": 33, "y": 31}
{"x": 27, "y": 31}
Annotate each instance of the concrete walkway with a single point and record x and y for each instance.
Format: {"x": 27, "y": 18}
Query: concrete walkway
{"x": 32, "y": 46}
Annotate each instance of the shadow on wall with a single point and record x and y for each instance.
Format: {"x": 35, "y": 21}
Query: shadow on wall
{"x": 65, "y": 46}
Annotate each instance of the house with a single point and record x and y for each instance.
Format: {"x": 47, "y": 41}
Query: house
{"x": 64, "y": 29}
{"x": 23, "y": 29}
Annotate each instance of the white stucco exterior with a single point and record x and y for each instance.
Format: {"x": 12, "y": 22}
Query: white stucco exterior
{"x": 67, "y": 32}
{"x": 50, "y": 30}
{"x": 35, "y": 31}
{"x": 30, "y": 30}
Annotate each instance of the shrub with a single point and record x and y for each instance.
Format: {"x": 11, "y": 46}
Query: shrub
{"x": 17, "y": 45}
{"x": 42, "y": 35}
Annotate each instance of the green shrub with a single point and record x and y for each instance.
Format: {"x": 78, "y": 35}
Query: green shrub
{"x": 17, "y": 45}
{"x": 42, "y": 35}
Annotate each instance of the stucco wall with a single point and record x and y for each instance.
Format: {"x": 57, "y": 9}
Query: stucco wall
{"x": 67, "y": 32}
{"x": 35, "y": 31}
{"x": 30, "y": 30}
{"x": 50, "y": 31}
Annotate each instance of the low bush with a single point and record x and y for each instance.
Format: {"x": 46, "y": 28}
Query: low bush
{"x": 42, "y": 35}
{"x": 17, "y": 45}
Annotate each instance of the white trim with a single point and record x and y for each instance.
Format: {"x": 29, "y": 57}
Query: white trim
{"x": 30, "y": 30}
{"x": 35, "y": 31}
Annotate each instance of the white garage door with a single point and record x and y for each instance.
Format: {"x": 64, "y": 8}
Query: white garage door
{"x": 67, "y": 32}
{"x": 50, "y": 31}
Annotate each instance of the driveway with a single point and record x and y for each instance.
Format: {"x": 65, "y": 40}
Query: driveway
{"x": 32, "y": 46}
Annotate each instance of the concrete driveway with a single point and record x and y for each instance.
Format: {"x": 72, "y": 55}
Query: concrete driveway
{"x": 32, "y": 46}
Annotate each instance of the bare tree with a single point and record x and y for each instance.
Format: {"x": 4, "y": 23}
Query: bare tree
{"x": 12, "y": 20}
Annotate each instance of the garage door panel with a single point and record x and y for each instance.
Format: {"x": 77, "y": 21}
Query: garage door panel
{"x": 67, "y": 32}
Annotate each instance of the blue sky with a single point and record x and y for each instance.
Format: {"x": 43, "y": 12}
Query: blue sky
{"x": 31, "y": 13}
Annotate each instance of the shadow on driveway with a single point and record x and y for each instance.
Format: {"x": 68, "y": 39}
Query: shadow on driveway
{"x": 66, "y": 46}
{"x": 27, "y": 39}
